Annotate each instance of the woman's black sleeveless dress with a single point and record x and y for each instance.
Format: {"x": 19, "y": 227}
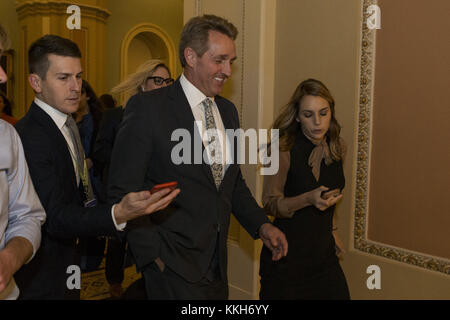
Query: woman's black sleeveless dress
{"x": 311, "y": 268}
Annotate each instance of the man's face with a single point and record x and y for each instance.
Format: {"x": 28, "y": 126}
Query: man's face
{"x": 210, "y": 71}
{"x": 61, "y": 87}
{"x": 3, "y": 76}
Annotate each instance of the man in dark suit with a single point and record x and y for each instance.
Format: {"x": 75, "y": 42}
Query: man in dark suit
{"x": 58, "y": 170}
{"x": 182, "y": 250}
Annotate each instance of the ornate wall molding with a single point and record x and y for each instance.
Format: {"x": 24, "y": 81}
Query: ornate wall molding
{"x": 150, "y": 28}
{"x": 28, "y": 8}
{"x": 198, "y": 7}
{"x": 241, "y": 107}
{"x": 361, "y": 241}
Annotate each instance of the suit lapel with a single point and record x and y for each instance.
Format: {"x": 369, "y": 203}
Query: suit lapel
{"x": 52, "y": 131}
{"x": 185, "y": 119}
{"x": 224, "y": 114}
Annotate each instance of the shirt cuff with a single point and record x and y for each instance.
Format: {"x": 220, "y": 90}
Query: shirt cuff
{"x": 119, "y": 227}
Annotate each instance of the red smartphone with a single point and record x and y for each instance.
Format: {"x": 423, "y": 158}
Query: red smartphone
{"x": 171, "y": 185}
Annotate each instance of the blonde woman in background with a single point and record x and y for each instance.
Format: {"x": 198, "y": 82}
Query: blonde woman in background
{"x": 152, "y": 74}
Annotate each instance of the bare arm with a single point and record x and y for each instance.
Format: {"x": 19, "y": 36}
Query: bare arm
{"x": 16, "y": 252}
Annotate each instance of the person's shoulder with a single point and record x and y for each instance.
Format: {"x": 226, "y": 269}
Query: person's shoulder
{"x": 112, "y": 112}
{"x": 148, "y": 97}
{"x": 343, "y": 148}
{"x": 7, "y": 131}
{"x": 31, "y": 131}
{"x": 9, "y": 119}
{"x": 26, "y": 124}
{"x": 4, "y": 126}
{"x": 223, "y": 100}
{"x": 226, "y": 106}
{"x": 8, "y": 143}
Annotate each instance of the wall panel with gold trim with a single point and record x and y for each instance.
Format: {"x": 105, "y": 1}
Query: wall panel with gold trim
{"x": 402, "y": 177}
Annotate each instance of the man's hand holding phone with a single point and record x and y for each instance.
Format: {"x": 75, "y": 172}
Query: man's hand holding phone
{"x": 171, "y": 185}
{"x": 136, "y": 204}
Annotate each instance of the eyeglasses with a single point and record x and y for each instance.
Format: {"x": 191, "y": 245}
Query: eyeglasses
{"x": 159, "y": 81}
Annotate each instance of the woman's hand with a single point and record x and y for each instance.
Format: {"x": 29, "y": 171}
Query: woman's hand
{"x": 315, "y": 198}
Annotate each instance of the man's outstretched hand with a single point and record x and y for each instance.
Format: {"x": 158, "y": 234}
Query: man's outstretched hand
{"x": 136, "y": 204}
{"x": 274, "y": 239}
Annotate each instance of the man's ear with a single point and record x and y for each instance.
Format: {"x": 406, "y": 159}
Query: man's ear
{"x": 35, "y": 82}
{"x": 190, "y": 56}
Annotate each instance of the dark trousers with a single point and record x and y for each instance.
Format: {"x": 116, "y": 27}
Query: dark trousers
{"x": 167, "y": 285}
{"x": 115, "y": 259}
{"x": 330, "y": 284}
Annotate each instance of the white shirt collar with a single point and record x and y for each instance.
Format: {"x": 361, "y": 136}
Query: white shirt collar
{"x": 193, "y": 95}
{"x": 57, "y": 116}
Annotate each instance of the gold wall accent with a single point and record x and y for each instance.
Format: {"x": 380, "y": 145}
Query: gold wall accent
{"x": 37, "y": 18}
{"x": 361, "y": 241}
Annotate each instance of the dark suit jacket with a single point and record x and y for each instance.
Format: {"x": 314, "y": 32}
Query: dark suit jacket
{"x": 53, "y": 177}
{"x": 104, "y": 144}
{"x": 184, "y": 234}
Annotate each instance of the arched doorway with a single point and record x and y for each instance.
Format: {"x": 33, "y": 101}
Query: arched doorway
{"x": 146, "y": 41}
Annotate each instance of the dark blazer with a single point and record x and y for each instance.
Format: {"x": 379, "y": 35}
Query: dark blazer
{"x": 104, "y": 144}
{"x": 184, "y": 234}
{"x": 53, "y": 177}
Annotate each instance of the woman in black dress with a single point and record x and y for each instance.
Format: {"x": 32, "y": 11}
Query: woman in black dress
{"x": 302, "y": 198}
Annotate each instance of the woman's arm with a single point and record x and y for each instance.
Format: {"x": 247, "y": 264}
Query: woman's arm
{"x": 277, "y": 205}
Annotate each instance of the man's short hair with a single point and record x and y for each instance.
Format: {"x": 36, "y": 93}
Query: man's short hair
{"x": 4, "y": 39}
{"x": 38, "y": 62}
{"x": 196, "y": 32}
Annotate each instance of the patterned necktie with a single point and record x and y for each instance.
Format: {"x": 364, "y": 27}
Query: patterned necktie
{"x": 79, "y": 155}
{"x": 76, "y": 141}
{"x": 214, "y": 146}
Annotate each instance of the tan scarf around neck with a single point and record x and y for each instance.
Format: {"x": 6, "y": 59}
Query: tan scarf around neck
{"x": 320, "y": 151}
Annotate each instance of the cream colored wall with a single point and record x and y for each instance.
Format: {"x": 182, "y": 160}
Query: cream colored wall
{"x": 321, "y": 39}
{"x": 137, "y": 54}
{"x": 167, "y": 14}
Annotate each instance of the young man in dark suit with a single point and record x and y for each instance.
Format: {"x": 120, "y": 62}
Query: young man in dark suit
{"x": 58, "y": 169}
{"x": 182, "y": 250}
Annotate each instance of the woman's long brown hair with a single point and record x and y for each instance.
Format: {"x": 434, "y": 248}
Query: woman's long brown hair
{"x": 288, "y": 126}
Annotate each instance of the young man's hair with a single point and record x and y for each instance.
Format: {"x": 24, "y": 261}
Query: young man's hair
{"x": 195, "y": 34}
{"x": 38, "y": 62}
